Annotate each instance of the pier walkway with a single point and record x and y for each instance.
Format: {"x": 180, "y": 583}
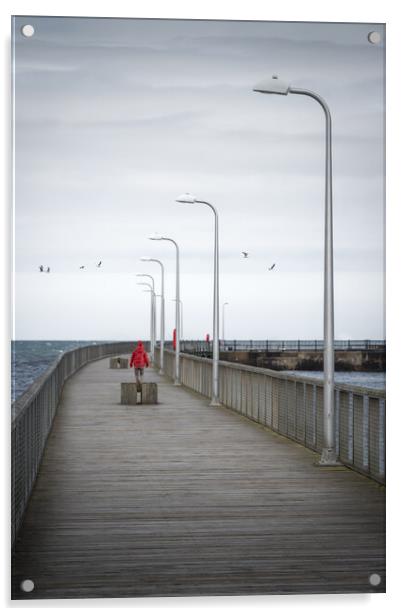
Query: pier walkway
{"x": 185, "y": 499}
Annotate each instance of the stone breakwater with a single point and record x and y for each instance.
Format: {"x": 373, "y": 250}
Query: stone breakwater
{"x": 354, "y": 361}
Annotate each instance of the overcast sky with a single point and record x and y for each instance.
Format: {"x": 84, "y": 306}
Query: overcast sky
{"x": 114, "y": 118}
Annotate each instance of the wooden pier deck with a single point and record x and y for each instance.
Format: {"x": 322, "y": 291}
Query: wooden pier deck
{"x": 185, "y": 499}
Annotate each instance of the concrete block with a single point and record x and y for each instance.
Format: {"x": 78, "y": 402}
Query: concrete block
{"x": 118, "y": 362}
{"x": 128, "y": 393}
{"x": 149, "y": 393}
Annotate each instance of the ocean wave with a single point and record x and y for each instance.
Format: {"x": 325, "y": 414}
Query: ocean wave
{"x": 31, "y": 358}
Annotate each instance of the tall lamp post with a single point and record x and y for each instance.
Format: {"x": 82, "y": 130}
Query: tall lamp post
{"x": 153, "y": 311}
{"x": 223, "y": 323}
{"x": 190, "y": 199}
{"x": 152, "y": 320}
{"x": 177, "y": 355}
{"x": 328, "y": 454}
{"x": 162, "y": 347}
{"x": 181, "y": 317}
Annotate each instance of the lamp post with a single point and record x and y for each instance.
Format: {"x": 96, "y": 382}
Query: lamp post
{"x": 162, "y": 333}
{"x": 328, "y": 454}
{"x": 190, "y": 199}
{"x": 223, "y": 323}
{"x": 181, "y": 317}
{"x": 150, "y": 290}
{"x": 177, "y": 355}
{"x": 153, "y": 312}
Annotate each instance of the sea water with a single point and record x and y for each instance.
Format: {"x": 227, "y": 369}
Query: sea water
{"x": 31, "y": 358}
{"x": 372, "y": 380}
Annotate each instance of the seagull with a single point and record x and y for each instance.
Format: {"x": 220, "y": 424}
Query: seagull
{"x": 245, "y": 254}
{"x": 99, "y": 264}
{"x": 82, "y": 266}
{"x": 48, "y": 270}
{"x": 41, "y": 268}
{"x": 272, "y": 267}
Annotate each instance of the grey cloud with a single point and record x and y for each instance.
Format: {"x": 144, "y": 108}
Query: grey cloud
{"x": 114, "y": 118}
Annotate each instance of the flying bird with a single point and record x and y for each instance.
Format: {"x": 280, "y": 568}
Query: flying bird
{"x": 41, "y": 268}
{"x": 82, "y": 266}
{"x": 245, "y": 254}
{"x": 99, "y": 264}
{"x": 272, "y": 267}
{"x": 48, "y": 270}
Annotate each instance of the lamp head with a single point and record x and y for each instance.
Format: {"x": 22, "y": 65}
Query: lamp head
{"x": 186, "y": 198}
{"x": 145, "y": 259}
{"x": 272, "y": 85}
{"x": 156, "y": 236}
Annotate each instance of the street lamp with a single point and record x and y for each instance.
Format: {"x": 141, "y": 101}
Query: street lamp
{"x": 328, "y": 454}
{"x": 181, "y": 317}
{"x": 162, "y": 346}
{"x": 223, "y": 323}
{"x": 191, "y": 199}
{"x": 154, "y": 310}
{"x": 177, "y": 355}
{"x": 150, "y": 290}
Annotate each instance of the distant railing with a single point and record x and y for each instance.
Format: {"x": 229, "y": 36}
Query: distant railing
{"x": 293, "y": 407}
{"x": 201, "y": 346}
{"x": 32, "y": 418}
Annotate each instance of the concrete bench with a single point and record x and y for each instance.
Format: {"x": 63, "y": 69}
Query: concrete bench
{"x": 128, "y": 393}
{"x": 118, "y": 362}
{"x": 149, "y": 393}
{"x": 130, "y": 396}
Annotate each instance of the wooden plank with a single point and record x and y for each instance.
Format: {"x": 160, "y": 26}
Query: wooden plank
{"x": 182, "y": 499}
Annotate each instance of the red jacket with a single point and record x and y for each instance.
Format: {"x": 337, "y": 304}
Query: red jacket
{"x": 139, "y": 358}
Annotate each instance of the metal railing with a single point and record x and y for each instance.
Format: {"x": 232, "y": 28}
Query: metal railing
{"x": 293, "y": 407}
{"x": 32, "y": 419}
{"x": 201, "y": 346}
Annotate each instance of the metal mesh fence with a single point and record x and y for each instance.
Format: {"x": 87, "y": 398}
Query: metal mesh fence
{"x": 32, "y": 418}
{"x": 200, "y": 347}
{"x": 301, "y": 412}
{"x": 293, "y": 406}
{"x": 310, "y": 415}
{"x": 319, "y": 414}
{"x": 358, "y": 431}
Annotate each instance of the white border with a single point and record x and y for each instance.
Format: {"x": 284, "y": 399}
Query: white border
{"x": 286, "y": 10}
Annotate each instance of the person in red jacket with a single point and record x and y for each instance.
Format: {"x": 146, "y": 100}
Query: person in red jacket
{"x": 139, "y": 360}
